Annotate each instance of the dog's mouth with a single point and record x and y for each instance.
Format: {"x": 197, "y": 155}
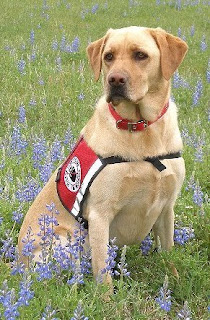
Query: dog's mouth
{"x": 116, "y": 95}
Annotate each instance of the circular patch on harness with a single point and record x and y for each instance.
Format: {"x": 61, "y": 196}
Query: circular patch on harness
{"x": 72, "y": 175}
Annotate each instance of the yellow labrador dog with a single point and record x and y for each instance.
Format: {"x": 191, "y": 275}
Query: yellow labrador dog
{"x": 134, "y": 121}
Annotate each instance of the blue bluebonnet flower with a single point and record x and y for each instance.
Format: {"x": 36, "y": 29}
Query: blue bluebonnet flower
{"x": 197, "y": 92}
{"x": 1, "y": 220}
{"x": 164, "y": 298}
{"x": 78, "y": 313}
{"x": 158, "y": 2}
{"x": 25, "y": 293}
{"x": 179, "y": 82}
{"x": 191, "y": 182}
{"x": 17, "y": 267}
{"x": 21, "y": 65}
{"x": 33, "y": 55}
{"x": 32, "y": 102}
{"x": 45, "y": 171}
{"x": 41, "y": 81}
{"x": 28, "y": 191}
{"x": 49, "y": 313}
{"x": 198, "y": 195}
{"x": 56, "y": 152}
{"x": 178, "y": 4}
{"x": 48, "y": 237}
{"x": 39, "y": 151}
{"x": 78, "y": 276}
{"x": 44, "y": 269}
{"x": 81, "y": 96}
{"x": 55, "y": 45}
{"x": 7, "y": 249}
{"x": 8, "y": 300}
{"x": 17, "y": 215}
{"x": 185, "y": 313}
{"x": 28, "y": 247}
{"x": 122, "y": 265}
{"x": 63, "y": 43}
{"x": 183, "y": 234}
{"x": 110, "y": 261}
{"x": 146, "y": 245}
{"x": 203, "y": 45}
{"x": 192, "y": 31}
{"x": 18, "y": 144}
{"x": 69, "y": 138}
{"x": 32, "y": 37}
{"x": 22, "y": 114}
{"x": 179, "y": 32}
{"x": 95, "y": 8}
{"x": 74, "y": 46}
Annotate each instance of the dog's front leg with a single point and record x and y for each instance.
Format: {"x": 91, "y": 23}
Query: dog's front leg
{"x": 164, "y": 229}
{"x": 98, "y": 229}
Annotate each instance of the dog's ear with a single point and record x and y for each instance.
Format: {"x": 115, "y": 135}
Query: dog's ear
{"x": 172, "y": 51}
{"x": 94, "y": 52}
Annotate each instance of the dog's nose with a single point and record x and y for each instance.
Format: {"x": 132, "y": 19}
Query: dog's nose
{"x": 116, "y": 80}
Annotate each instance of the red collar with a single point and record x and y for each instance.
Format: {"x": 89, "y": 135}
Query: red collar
{"x": 140, "y": 125}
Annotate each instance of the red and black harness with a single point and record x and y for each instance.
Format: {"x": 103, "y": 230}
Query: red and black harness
{"x": 82, "y": 166}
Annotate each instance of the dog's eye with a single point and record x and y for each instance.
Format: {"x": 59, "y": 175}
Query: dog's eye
{"x": 139, "y": 55}
{"x": 108, "y": 56}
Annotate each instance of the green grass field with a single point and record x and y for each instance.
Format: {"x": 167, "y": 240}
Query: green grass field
{"x": 47, "y": 95}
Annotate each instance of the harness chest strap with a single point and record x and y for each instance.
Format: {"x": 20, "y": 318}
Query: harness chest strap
{"x": 79, "y": 170}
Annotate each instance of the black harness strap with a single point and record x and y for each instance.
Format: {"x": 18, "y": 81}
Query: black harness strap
{"x": 158, "y": 164}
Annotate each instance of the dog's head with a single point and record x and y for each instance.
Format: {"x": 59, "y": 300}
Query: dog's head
{"x": 135, "y": 60}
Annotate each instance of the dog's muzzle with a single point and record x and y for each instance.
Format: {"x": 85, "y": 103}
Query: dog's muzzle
{"x": 117, "y": 87}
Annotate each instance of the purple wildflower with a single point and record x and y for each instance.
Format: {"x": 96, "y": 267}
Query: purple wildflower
{"x": 94, "y": 8}
{"x": 32, "y": 37}
{"x": 197, "y": 92}
{"x": 27, "y": 192}
{"x": 32, "y": 102}
{"x": 203, "y": 45}
{"x": 197, "y": 195}
{"x": 8, "y": 300}
{"x": 18, "y": 144}
{"x": 78, "y": 276}
{"x": 39, "y": 151}
{"x": 185, "y": 313}
{"x": 25, "y": 294}
{"x": 17, "y": 216}
{"x": 122, "y": 265}
{"x": 183, "y": 235}
{"x": 22, "y": 114}
{"x": 48, "y": 313}
{"x": 146, "y": 245}
{"x": 164, "y": 298}
{"x": 110, "y": 261}
{"x": 28, "y": 247}
{"x": 1, "y": 220}
{"x": 69, "y": 139}
{"x": 63, "y": 43}
{"x": 192, "y": 31}
{"x": 56, "y": 152}
{"x": 55, "y": 45}
{"x": 7, "y": 250}
{"x": 78, "y": 313}
{"x": 81, "y": 96}
{"x": 21, "y": 64}
{"x": 17, "y": 267}
{"x": 45, "y": 171}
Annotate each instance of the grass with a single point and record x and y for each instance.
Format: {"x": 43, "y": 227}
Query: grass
{"x": 65, "y": 100}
